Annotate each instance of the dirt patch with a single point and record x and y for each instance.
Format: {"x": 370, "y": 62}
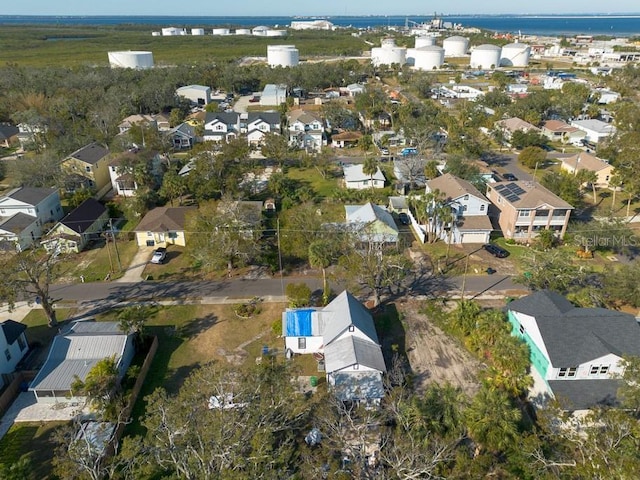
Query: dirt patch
{"x": 436, "y": 357}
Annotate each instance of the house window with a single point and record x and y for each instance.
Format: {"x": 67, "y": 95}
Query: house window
{"x": 521, "y": 329}
{"x": 464, "y": 208}
{"x": 568, "y": 372}
{"x": 21, "y": 343}
{"x": 352, "y": 328}
{"x": 466, "y": 197}
{"x": 87, "y": 169}
{"x": 149, "y": 234}
{"x": 7, "y": 354}
{"x": 599, "y": 370}
{"x": 482, "y": 205}
{"x": 302, "y": 343}
{"x": 173, "y": 235}
{"x": 356, "y": 366}
{"x": 524, "y": 213}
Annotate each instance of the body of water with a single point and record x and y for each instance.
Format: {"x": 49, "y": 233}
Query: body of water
{"x": 613, "y": 25}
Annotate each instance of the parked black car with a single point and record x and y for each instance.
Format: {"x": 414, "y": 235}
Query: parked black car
{"x": 509, "y": 177}
{"x": 404, "y": 218}
{"x": 495, "y": 250}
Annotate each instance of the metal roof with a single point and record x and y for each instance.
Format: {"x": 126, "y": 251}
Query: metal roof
{"x": 343, "y": 312}
{"x": 351, "y": 351}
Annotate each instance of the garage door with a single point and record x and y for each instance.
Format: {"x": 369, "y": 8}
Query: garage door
{"x": 474, "y": 238}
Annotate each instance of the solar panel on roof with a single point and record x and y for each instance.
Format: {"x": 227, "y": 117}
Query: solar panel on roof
{"x": 500, "y": 188}
{"x": 512, "y": 198}
{"x": 518, "y": 191}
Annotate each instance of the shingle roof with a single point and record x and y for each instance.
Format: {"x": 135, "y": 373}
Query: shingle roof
{"x": 302, "y": 116}
{"x": 350, "y": 351}
{"x": 474, "y": 222}
{"x": 573, "y": 336}
{"x": 513, "y": 124}
{"x": 164, "y": 219}
{"x": 272, "y": 118}
{"x": 584, "y": 394}
{"x": 90, "y": 154}
{"x": 585, "y": 161}
{"x": 453, "y": 187}
{"x": 84, "y": 215}
{"x": 229, "y": 118}
{"x": 7, "y": 131}
{"x": 12, "y": 330}
{"x": 17, "y": 223}
{"x": 31, "y": 195}
{"x": 559, "y": 126}
{"x": 344, "y": 311}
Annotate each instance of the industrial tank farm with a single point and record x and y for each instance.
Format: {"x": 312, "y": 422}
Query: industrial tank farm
{"x": 425, "y": 41}
{"x": 428, "y": 58}
{"x": 485, "y": 56}
{"x": 388, "y": 53}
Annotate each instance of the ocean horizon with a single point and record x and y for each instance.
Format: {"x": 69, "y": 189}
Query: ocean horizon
{"x": 626, "y": 25}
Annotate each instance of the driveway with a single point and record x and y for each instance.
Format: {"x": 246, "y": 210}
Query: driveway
{"x": 135, "y": 269}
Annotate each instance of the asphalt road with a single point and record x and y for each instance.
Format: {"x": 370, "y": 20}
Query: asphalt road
{"x": 109, "y": 293}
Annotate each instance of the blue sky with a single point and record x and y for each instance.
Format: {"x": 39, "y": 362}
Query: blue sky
{"x": 326, "y": 7}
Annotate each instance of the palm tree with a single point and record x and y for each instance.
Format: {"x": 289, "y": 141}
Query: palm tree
{"x": 321, "y": 254}
{"x": 370, "y": 167}
{"x": 589, "y": 177}
{"x": 615, "y": 182}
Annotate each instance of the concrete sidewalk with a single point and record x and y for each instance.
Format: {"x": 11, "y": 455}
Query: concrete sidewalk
{"x": 20, "y": 310}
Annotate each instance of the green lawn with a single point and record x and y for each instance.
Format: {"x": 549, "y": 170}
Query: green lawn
{"x": 323, "y": 186}
{"x": 33, "y": 439}
{"x": 95, "y": 263}
{"x": 177, "y": 266}
{"x": 38, "y": 330}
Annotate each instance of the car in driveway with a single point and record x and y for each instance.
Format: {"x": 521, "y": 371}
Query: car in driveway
{"x": 404, "y": 218}
{"x": 510, "y": 177}
{"x": 495, "y": 250}
{"x": 254, "y": 99}
{"x": 159, "y": 255}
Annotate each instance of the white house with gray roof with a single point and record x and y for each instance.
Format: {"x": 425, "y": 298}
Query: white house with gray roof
{"x": 23, "y": 213}
{"x": 371, "y": 223}
{"x": 74, "y": 352}
{"x": 355, "y": 178}
{"x": 576, "y": 353}
{"x": 344, "y": 336}
{"x": 13, "y": 347}
{"x": 595, "y": 130}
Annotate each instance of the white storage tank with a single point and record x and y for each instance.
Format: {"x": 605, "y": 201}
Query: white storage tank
{"x": 197, "y": 31}
{"x": 455, "y": 46}
{"x": 282, "y": 55}
{"x": 172, "y": 31}
{"x": 515, "y": 55}
{"x": 131, "y": 59}
{"x": 485, "y": 56}
{"x": 425, "y": 41}
{"x": 430, "y": 57}
{"x": 220, "y": 31}
{"x": 388, "y": 54}
{"x": 155, "y": 34}
{"x": 243, "y": 31}
{"x": 276, "y": 33}
{"x": 260, "y": 31}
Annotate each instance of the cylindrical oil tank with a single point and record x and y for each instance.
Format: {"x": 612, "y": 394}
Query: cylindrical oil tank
{"x": 155, "y": 34}
{"x": 170, "y": 31}
{"x": 243, "y": 31}
{"x": 220, "y": 31}
{"x": 429, "y": 57}
{"x": 388, "y": 53}
{"x": 410, "y": 58}
{"x": 515, "y": 55}
{"x": 260, "y": 31}
{"x": 485, "y": 56}
{"x": 282, "y": 55}
{"x": 276, "y": 33}
{"x": 197, "y": 31}
{"x": 425, "y": 41}
{"x": 131, "y": 59}
{"x": 455, "y": 46}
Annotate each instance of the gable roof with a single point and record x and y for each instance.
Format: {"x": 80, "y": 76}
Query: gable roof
{"x": 164, "y": 219}
{"x": 12, "y": 330}
{"x": 454, "y": 187}
{"x": 585, "y": 161}
{"x": 514, "y": 124}
{"x": 558, "y": 126}
{"x": 76, "y": 352}
{"x": 272, "y": 118}
{"x": 345, "y": 310}
{"x": 302, "y": 116}
{"x": 90, "y": 154}
{"x": 31, "y": 195}
{"x": 350, "y": 351}
{"x": 583, "y": 394}
{"x": 17, "y": 223}
{"x": 84, "y": 215}
{"x": 573, "y": 336}
{"x": 228, "y": 118}
{"x": 368, "y": 213}
{"x": 7, "y": 131}
{"x": 597, "y": 126}
{"x": 528, "y": 194}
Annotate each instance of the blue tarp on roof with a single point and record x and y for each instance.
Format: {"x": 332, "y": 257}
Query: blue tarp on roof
{"x": 299, "y": 323}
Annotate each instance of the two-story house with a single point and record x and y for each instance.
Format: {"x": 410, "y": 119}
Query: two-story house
{"x": 528, "y": 207}
{"x": 13, "y": 347}
{"x": 343, "y": 337}
{"x": 469, "y": 208}
{"x": 84, "y": 223}
{"x": 88, "y": 167}
{"x": 23, "y": 213}
{"x": 306, "y": 131}
{"x": 575, "y": 353}
{"x": 221, "y": 126}
{"x": 122, "y": 167}
{"x": 585, "y": 161}
{"x": 258, "y": 124}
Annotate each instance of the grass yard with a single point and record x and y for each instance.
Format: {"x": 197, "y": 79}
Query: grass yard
{"x": 38, "y": 331}
{"x": 95, "y": 263}
{"x": 324, "y": 187}
{"x": 177, "y": 266}
{"x": 33, "y": 439}
{"x": 192, "y": 335}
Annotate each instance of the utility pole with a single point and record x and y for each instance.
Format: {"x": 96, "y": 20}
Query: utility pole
{"x": 280, "y": 256}
{"x": 115, "y": 244}
{"x": 109, "y": 253}
{"x": 464, "y": 277}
